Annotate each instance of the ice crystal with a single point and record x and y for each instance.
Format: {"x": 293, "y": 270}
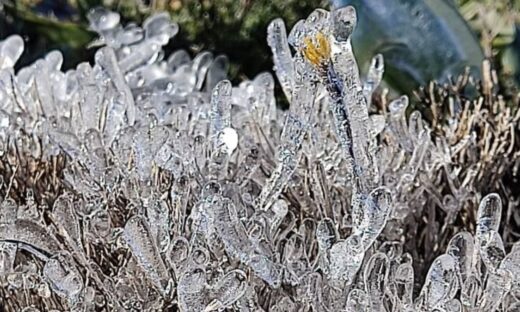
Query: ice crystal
{"x": 161, "y": 186}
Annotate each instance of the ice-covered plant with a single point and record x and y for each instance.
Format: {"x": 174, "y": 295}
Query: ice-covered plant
{"x": 151, "y": 183}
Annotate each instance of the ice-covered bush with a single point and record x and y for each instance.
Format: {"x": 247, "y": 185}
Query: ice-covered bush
{"x": 149, "y": 182}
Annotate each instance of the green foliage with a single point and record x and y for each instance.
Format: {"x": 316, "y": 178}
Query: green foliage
{"x": 236, "y": 28}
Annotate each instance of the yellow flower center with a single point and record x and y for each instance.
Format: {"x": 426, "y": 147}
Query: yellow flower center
{"x": 317, "y": 50}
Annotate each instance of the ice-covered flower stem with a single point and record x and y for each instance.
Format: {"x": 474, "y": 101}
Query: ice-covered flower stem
{"x": 322, "y": 42}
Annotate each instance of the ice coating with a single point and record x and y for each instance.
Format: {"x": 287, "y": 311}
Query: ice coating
{"x": 180, "y": 190}
{"x": 139, "y": 238}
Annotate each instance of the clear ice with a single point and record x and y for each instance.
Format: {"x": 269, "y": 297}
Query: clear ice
{"x": 182, "y": 191}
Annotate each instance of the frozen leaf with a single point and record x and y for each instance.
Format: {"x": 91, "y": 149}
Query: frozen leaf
{"x": 67, "y": 222}
{"x": 441, "y": 283}
{"x": 138, "y": 236}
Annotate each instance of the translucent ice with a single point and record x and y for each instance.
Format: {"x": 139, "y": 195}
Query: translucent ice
{"x": 138, "y": 236}
{"x": 10, "y": 50}
{"x": 153, "y": 183}
{"x": 64, "y": 277}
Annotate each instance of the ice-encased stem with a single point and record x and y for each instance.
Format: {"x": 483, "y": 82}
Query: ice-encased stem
{"x": 498, "y": 284}
{"x": 30, "y": 233}
{"x": 376, "y": 279}
{"x": 106, "y": 58}
{"x": 238, "y": 245}
{"x": 65, "y": 218}
{"x": 223, "y": 138}
{"x": 220, "y": 111}
{"x": 461, "y": 247}
{"x": 159, "y": 220}
{"x": 342, "y": 271}
{"x": 288, "y": 156}
{"x": 191, "y": 290}
{"x": 376, "y": 209}
{"x": 489, "y": 213}
{"x": 303, "y": 92}
{"x": 441, "y": 283}
{"x": 139, "y": 238}
{"x": 353, "y": 99}
{"x": 64, "y": 277}
{"x": 374, "y": 77}
{"x": 488, "y": 242}
{"x": 228, "y": 290}
{"x": 11, "y": 49}
{"x": 282, "y": 58}
{"x": 357, "y": 301}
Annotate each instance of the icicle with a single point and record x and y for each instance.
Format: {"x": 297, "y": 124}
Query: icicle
{"x": 288, "y": 156}
{"x": 376, "y": 279}
{"x": 282, "y": 58}
{"x": 374, "y": 77}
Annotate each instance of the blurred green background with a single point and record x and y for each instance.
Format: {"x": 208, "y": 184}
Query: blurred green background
{"x": 236, "y": 28}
